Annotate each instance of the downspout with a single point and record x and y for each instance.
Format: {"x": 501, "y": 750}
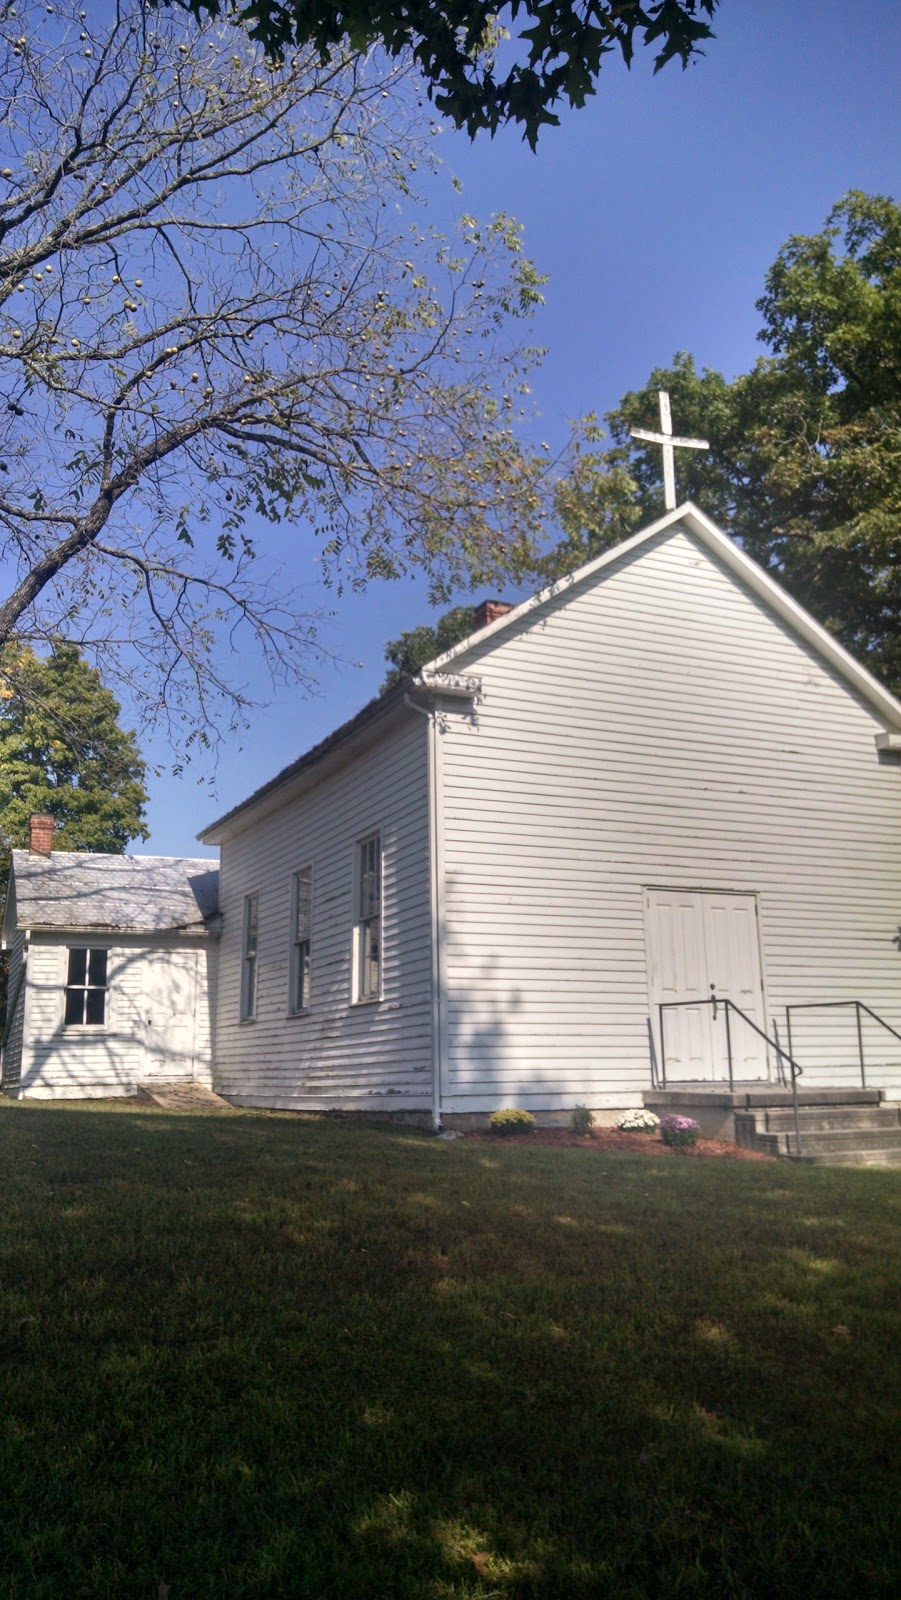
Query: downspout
{"x": 436, "y": 896}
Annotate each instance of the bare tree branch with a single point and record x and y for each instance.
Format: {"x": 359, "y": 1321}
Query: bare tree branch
{"x": 220, "y": 307}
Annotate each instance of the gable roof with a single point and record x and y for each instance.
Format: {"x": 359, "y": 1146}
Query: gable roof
{"x": 747, "y": 570}
{"x": 361, "y": 729}
{"x": 75, "y": 890}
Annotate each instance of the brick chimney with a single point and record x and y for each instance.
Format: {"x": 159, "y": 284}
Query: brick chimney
{"x": 40, "y": 831}
{"x": 489, "y": 611}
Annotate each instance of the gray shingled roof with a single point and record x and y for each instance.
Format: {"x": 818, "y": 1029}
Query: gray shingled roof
{"x": 138, "y": 894}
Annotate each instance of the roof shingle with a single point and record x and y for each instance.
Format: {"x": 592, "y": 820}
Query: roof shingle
{"x": 137, "y": 894}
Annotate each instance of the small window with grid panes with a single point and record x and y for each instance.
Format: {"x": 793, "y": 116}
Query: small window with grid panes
{"x": 86, "y": 985}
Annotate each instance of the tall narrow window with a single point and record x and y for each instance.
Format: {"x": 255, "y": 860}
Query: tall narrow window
{"x": 249, "y": 957}
{"x": 86, "y": 988}
{"x": 301, "y": 934}
{"x": 369, "y": 918}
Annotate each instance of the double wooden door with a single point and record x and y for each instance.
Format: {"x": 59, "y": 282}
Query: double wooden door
{"x": 704, "y": 942}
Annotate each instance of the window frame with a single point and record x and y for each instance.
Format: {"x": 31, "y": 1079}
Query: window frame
{"x": 365, "y": 921}
{"x": 300, "y": 957}
{"x": 250, "y": 957}
{"x": 85, "y": 987}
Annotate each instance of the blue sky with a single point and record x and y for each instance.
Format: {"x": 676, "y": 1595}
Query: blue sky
{"x": 655, "y": 211}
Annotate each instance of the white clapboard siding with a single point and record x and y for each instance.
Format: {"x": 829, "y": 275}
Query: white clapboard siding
{"x": 375, "y": 1055}
{"x": 656, "y": 726}
{"x": 61, "y": 1062}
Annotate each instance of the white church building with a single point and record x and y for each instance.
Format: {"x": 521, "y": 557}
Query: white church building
{"x": 595, "y": 850}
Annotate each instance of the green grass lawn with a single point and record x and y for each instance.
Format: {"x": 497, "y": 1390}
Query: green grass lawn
{"x": 257, "y": 1356}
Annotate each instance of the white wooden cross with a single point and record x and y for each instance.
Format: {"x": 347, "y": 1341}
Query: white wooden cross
{"x": 670, "y": 444}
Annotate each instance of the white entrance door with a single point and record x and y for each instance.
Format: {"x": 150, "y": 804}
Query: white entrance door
{"x": 702, "y": 942}
{"x": 169, "y": 991}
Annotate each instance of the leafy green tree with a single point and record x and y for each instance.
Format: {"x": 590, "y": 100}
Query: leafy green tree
{"x": 63, "y": 752}
{"x": 412, "y": 651}
{"x": 595, "y": 505}
{"x": 804, "y": 468}
{"x": 560, "y": 45}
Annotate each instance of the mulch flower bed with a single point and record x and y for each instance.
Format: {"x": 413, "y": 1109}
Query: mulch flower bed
{"x": 642, "y": 1144}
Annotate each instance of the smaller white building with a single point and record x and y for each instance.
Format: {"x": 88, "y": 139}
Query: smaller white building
{"x": 111, "y": 971}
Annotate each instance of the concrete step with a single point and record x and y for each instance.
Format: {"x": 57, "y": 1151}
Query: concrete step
{"x": 182, "y": 1095}
{"x": 750, "y": 1096}
{"x": 761, "y": 1098}
{"x": 890, "y": 1157}
{"x": 780, "y": 1119}
{"x": 850, "y": 1139}
{"x": 845, "y": 1146}
{"x": 849, "y": 1135}
{"x": 841, "y": 1127}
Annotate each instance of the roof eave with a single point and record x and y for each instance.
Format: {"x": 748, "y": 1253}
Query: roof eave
{"x": 751, "y": 574}
{"x": 310, "y": 769}
{"x": 551, "y": 592}
{"x": 362, "y": 730}
{"x": 186, "y": 930}
{"x": 800, "y": 621}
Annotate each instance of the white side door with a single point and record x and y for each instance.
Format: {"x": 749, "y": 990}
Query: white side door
{"x": 702, "y": 942}
{"x": 169, "y": 993}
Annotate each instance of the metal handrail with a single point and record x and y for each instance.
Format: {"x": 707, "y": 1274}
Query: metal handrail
{"x": 796, "y": 1073}
{"x": 652, "y": 1050}
{"x": 715, "y": 1001}
{"x": 781, "y": 1055}
{"x": 862, "y": 1006}
{"x": 827, "y": 1005}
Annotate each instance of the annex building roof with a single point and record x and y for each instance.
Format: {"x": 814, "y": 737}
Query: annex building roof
{"x": 77, "y": 890}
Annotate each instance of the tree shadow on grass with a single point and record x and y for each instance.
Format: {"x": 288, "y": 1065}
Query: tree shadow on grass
{"x": 276, "y": 1358}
